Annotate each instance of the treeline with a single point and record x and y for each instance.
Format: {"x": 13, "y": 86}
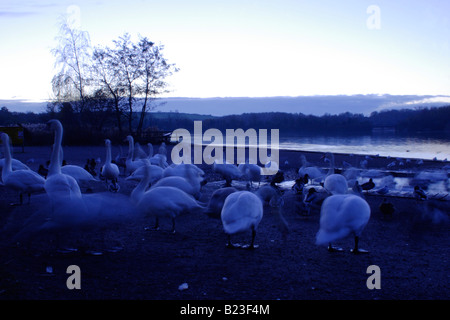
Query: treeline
{"x": 102, "y": 124}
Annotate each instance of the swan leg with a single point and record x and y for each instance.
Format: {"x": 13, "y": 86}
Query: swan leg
{"x": 357, "y": 250}
{"x": 252, "y": 244}
{"x": 331, "y": 248}
{"x": 173, "y": 226}
{"x": 232, "y": 245}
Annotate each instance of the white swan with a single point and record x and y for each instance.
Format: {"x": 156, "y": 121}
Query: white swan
{"x": 313, "y": 172}
{"x": 336, "y": 184}
{"x": 340, "y": 216}
{"x": 191, "y": 188}
{"x": 250, "y": 172}
{"x": 22, "y": 181}
{"x": 217, "y": 201}
{"x": 156, "y": 173}
{"x": 81, "y": 175}
{"x": 267, "y": 192}
{"x": 186, "y": 170}
{"x": 130, "y": 164}
{"x": 110, "y": 171}
{"x": 163, "y": 202}
{"x": 58, "y": 184}
{"x": 241, "y": 212}
{"x": 228, "y": 171}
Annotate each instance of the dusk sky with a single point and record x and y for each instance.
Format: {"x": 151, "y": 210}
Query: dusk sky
{"x": 246, "y": 48}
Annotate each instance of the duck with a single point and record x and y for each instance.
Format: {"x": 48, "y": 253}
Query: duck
{"x": 369, "y": 185}
{"x": 110, "y": 171}
{"x": 340, "y": 216}
{"x": 277, "y": 178}
{"x": 59, "y": 185}
{"x": 313, "y": 199}
{"x": 419, "y": 193}
{"x": 23, "y": 181}
{"x": 163, "y": 202}
{"x": 241, "y": 212}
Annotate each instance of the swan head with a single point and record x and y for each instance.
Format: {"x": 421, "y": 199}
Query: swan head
{"x": 54, "y": 124}
{"x": 107, "y": 142}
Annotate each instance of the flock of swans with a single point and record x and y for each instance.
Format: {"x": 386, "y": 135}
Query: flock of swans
{"x": 167, "y": 191}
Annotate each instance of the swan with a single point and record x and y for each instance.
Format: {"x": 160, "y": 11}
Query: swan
{"x": 162, "y": 202}
{"x": 336, "y": 184}
{"x": 110, "y": 171}
{"x": 189, "y": 186}
{"x": 57, "y": 183}
{"x": 313, "y": 173}
{"x": 130, "y": 164}
{"x": 340, "y": 216}
{"x": 22, "y": 181}
{"x": 150, "y": 150}
{"x": 156, "y": 173}
{"x": 242, "y": 211}
{"x": 15, "y": 164}
{"x": 228, "y": 171}
{"x": 138, "y": 152}
{"x": 217, "y": 201}
{"x": 250, "y": 172}
{"x": 185, "y": 170}
{"x": 267, "y": 192}
{"x": 80, "y": 174}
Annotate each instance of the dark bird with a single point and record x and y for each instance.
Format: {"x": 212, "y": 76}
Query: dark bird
{"x": 368, "y": 185}
{"x": 387, "y": 208}
{"x": 419, "y": 193}
{"x": 277, "y": 178}
{"x": 43, "y": 171}
{"x": 298, "y": 186}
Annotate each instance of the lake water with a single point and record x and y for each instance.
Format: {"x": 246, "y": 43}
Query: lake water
{"x": 419, "y": 147}
{"x": 383, "y": 145}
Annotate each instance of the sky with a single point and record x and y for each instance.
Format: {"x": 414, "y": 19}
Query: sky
{"x": 246, "y": 48}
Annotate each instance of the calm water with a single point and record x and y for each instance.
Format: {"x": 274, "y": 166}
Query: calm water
{"x": 383, "y": 145}
{"x": 421, "y": 147}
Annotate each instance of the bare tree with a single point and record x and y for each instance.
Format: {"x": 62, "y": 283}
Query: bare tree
{"x": 108, "y": 80}
{"x": 73, "y": 56}
{"x": 154, "y": 68}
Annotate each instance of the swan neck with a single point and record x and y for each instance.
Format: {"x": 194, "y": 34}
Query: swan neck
{"x": 130, "y": 148}
{"x": 331, "y": 169}
{"x": 55, "y": 160}
{"x": 108, "y": 153}
{"x": 138, "y": 192}
{"x": 7, "y": 168}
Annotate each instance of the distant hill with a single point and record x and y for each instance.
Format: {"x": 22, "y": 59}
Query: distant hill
{"x": 308, "y": 105}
